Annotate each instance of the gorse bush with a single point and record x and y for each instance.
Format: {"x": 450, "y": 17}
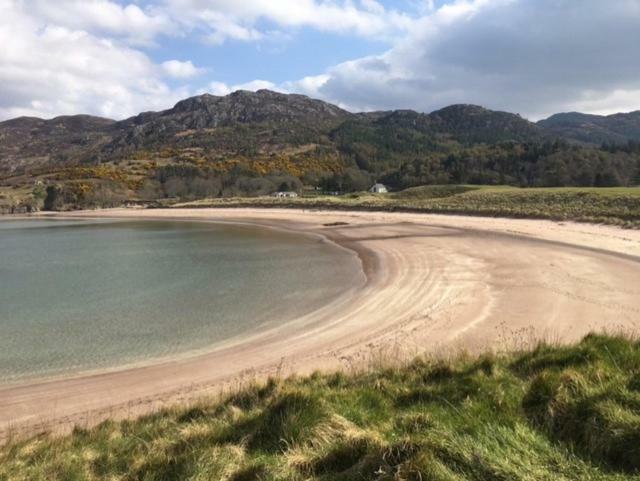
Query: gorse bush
{"x": 555, "y": 413}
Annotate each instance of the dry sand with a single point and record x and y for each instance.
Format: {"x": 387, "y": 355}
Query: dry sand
{"x": 435, "y": 284}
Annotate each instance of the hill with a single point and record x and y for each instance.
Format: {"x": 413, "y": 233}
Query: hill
{"x": 28, "y": 143}
{"x": 242, "y": 122}
{"x": 474, "y": 124}
{"x": 254, "y": 143}
{"x": 551, "y": 413}
{"x": 595, "y": 129}
{"x": 389, "y": 142}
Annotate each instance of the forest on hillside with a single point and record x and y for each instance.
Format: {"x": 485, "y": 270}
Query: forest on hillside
{"x": 252, "y": 144}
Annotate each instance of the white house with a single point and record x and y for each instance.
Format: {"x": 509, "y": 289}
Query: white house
{"x": 285, "y": 194}
{"x": 378, "y": 189}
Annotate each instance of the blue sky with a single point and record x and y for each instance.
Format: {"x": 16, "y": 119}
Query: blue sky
{"x": 285, "y": 55}
{"x": 115, "y": 58}
{"x": 279, "y": 59}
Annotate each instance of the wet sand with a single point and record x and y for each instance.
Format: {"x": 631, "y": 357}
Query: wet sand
{"x": 435, "y": 284}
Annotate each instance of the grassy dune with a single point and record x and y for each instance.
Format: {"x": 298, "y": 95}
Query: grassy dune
{"x": 616, "y": 205}
{"x": 554, "y": 413}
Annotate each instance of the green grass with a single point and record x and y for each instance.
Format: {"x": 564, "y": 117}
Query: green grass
{"x": 12, "y": 196}
{"x": 616, "y": 206}
{"x": 553, "y": 413}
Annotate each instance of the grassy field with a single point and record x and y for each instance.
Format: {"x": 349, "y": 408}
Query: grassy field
{"x": 552, "y": 413}
{"x": 12, "y": 196}
{"x": 616, "y": 206}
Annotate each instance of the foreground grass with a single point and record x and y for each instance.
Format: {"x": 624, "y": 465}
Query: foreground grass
{"x": 555, "y": 413}
{"x": 615, "y": 206}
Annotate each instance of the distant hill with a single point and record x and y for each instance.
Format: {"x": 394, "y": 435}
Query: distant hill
{"x": 248, "y": 122}
{"x": 239, "y": 123}
{"x": 595, "y": 129}
{"x": 29, "y": 142}
{"x": 230, "y": 124}
{"x": 464, "y": 123}
{"x": 250, "y": 143}
{"x": 389, "y": 138}
{"x": 471, "y": 124}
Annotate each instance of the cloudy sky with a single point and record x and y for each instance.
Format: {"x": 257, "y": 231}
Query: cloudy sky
{"x": 115, "y": 58}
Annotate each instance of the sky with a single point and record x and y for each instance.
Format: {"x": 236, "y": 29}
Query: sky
{"x": 116, "y": 58}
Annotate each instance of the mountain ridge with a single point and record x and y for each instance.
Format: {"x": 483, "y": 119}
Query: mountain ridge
{"x": 552, "y": 123}
{"x": 595, "y": 129}
{"x": 106, "y": 138}
{"x": 249, "y": 143}
{"x": 82, "y": 138}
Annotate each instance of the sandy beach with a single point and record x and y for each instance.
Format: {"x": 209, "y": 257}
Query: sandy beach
{"x": 434, "y": 284}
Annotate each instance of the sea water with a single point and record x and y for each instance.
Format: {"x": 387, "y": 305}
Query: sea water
{"x": 81, "y": 295}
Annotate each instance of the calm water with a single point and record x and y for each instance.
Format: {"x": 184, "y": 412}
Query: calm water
{"x": 78, "y": 295}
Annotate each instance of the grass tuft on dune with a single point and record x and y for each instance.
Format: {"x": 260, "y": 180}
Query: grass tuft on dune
{"x": 552, "y": 413}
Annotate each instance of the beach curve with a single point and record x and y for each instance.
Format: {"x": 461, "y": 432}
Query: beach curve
{"x": 434, "y": 283}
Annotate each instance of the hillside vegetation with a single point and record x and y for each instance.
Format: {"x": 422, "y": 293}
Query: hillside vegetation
{"x": 615, "y": 206}
{"x": 553, "y": 413}
{"x": 256, "y": 143}
{"x": 596, "y": 129}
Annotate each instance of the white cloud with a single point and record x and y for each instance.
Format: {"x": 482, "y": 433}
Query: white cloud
{"x": 605, "y": 103}
{"x": 257, "y": 85}
{"x": 220, "y": 88}
{"x": 85, "y": 56}
{"x": 48, "y": 70}
{"x": 222, "y": 20}
{"x": 311, "y": 85}
{"x": 105, "y": 17}
{"x": 535, "y": 57}
{"x": 180, "y": 70}
{"x": 532, "y": 57}
{"x": 373, "y": 6}
{"x": 222, "y": 28}
{"x": 216, "y": 88}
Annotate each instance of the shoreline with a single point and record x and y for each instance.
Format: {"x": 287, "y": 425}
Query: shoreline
{"x": 435, "y": 283}
{"x": 364, "y": 260}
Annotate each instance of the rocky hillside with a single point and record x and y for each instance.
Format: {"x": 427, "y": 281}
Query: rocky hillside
{"x": 239, "y": 122}
{"x": 387, "y": 138}
{"x": 242, "y": 123}
{"x": 29, "y": 143}
{"x": 595, "y": 129}
{"x": 464, "y": 123}
{"x": 254, "y": 143}
{"x": 471, "y": 123}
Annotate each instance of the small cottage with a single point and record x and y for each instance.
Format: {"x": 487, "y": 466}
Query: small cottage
{"x": 285, "y": 194}
{"x": 378, "y": 189}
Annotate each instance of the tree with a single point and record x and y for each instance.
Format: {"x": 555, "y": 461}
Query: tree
{"x": 54, "y": 199}
{"x": 284, "y": 187}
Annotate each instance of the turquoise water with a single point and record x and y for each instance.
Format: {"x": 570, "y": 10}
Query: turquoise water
{"x": 83, "y": 294}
